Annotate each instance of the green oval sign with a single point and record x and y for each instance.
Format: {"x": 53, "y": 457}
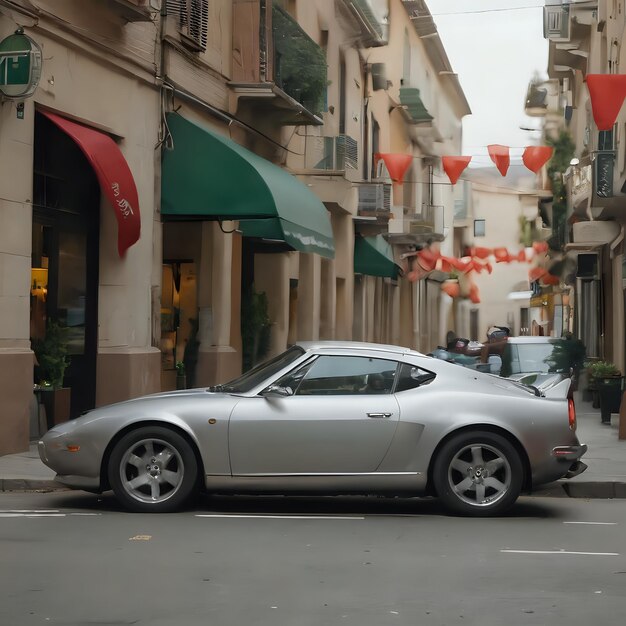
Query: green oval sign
{"x": 20, "y": 65}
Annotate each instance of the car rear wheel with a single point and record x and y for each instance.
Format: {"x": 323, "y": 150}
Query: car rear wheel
{"x": 478, "y": 474}
{"x": 153, "y": 469}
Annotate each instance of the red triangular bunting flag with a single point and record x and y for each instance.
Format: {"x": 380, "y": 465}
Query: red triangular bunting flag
{"x": 451, "y": 288}
{"x": 453, "y": 166}
{"x": 501, "y": 254}
{"x": 535, "y": 157}
{"x": 535, "y": 273}
{"x": 607, "y": 93}
{"x": 397, "y": 164}
{"x": 500, "y": 156}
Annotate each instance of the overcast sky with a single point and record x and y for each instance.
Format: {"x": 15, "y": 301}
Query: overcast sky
{"x": 495, "y": 53}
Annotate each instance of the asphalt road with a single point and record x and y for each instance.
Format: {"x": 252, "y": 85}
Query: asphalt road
{"x": 75, "y": 559}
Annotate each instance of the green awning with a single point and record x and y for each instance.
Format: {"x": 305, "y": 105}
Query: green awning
{"x": 374, "y": 256}
{"x": 411, "y": 99}
{"x": 208, "y": 176}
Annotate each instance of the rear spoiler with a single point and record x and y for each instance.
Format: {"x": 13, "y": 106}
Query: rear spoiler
{"x": 560, "y": 391}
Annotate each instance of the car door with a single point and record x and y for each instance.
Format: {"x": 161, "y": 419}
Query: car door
{"x": 340, "y": 419}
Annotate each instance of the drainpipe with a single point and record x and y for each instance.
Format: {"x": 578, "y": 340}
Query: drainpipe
{"x": 618, "y": 305}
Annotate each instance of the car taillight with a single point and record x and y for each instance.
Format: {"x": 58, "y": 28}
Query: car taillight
{"x": 571, "y": 410}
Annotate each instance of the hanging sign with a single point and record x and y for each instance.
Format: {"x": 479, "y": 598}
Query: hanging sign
{"x": 20, "y": 65}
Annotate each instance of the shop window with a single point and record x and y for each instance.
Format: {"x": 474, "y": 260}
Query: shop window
{"x": 179, "y": 321}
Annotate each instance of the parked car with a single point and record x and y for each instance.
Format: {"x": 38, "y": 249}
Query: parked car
{"x": 327, "y": 418}
{"x": 527, "y": 359}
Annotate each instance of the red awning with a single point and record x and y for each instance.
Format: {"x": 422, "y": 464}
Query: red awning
{"x": 114, "y": 176}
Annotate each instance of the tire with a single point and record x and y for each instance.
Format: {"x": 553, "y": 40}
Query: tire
{"x": 153, "y": 470}
{"x": 478, "y": 474}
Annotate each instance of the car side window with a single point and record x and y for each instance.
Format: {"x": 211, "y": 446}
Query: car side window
{"x": 411, "y": 376}
{"x": 342, "y": 375}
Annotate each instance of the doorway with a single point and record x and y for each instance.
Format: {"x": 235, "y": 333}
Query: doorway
{"x": 65, "y": 256}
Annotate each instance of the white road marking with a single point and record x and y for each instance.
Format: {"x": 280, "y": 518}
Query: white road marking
{"x": 560, "y": 552}
{"x": 29, "y": 511}
{"x": 594, "y": 523}
{"x": 352, "y": 517}
{"x": 40, "y": 513}
{"x": 32, "y": 515}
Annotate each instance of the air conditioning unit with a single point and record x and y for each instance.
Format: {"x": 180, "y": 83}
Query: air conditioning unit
{"x": 374, "y": 198}
{"x": 135, "y": 10}
{"x": 346, "y": 152}
{"x": 379, "y": 76}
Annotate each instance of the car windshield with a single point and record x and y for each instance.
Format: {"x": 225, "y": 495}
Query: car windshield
{"x": 530, "y": 357}
{"x": 261, "y": 372}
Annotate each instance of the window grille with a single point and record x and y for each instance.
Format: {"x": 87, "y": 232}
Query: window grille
{"x": 192, "y": 17}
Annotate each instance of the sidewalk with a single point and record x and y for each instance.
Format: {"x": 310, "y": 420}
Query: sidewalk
{"x": 605, "y": 476}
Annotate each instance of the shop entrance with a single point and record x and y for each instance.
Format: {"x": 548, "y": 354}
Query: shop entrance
{"x": 64, "y": 280}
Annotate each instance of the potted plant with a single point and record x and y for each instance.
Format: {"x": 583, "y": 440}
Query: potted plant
{"x": 568, "y": 357}
{"x": 52, "y": 361}
{"x": 608, "y": 381}
{"x": 181, "y": 378}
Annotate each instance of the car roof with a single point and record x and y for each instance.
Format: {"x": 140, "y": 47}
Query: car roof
{"x": 531, "y": 339}
{"x": 356, "y": 345}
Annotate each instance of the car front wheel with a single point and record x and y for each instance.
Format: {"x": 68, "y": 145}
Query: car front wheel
{"x": 152, "y": 469}
{"x": 478, "y": 474}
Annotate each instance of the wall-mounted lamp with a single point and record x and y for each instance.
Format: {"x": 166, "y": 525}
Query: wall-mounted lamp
{"x": 574, "y": 161}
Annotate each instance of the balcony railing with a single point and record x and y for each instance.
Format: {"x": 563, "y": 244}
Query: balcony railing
{"x": 428, "y": 221}
{"x": 331, "y": 153}
{"x": 276, "y": 65}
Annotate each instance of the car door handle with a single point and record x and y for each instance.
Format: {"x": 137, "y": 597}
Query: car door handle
{"x": 379, "y": 414}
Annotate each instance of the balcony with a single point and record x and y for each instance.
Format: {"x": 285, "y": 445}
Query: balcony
{"x": 132, "y": 10}
{"x": 374, "y": 208}
{"x": 429, "y": 221}
{"x": 335, "y": 154}
{"x": 542, "y": 98}
{"x": 596, "y": 187}
{"x": 279, "y": 72}
{"x": 568, "y": 29}
{"x": 556, "y": 22}
{"x": 370, "y": 18}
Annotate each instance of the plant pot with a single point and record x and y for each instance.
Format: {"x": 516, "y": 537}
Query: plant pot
{"x": 610, "y": 393}
{"x": 181, "y": 381}
{"x": 57, "y": 403}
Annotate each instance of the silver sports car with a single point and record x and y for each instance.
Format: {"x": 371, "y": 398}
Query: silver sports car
{"x": 328, "y": 418}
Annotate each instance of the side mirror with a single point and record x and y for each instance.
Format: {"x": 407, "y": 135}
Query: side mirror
{"x": 278, "y": 391}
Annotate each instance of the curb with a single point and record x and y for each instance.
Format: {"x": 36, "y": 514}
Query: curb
{"x": 596, "y": 490}
{"x": 22, "y": 484}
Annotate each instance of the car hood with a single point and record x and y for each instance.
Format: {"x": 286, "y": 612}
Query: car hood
{"x": 165, "y": 405}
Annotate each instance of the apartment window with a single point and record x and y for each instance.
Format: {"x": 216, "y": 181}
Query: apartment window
{"x": 605, "y": 139}
{"x": 479, "y": 228}
{"x": 193, "y": 20}
{"x": 406, "y": 60}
